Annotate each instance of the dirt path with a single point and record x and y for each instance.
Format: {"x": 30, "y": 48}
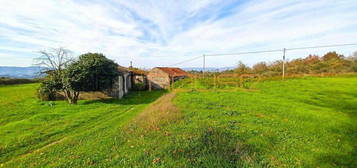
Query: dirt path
{"x": 161, "y": 112}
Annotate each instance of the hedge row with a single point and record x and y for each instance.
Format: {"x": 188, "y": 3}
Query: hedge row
{"x": 13, "y": 81}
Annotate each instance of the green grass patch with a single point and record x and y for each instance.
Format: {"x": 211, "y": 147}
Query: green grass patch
{"x": 305, "y": 122}
{"x": 29, "y": 126}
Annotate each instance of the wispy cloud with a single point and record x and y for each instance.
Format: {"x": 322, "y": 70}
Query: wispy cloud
{"x": 158, "y": 33}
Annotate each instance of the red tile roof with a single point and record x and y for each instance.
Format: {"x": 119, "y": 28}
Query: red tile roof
{"x": 173, "y": 71}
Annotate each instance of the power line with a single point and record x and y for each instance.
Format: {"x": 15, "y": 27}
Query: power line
{"x": 241, "y": 53}
{"x": 186, "y": 61}
{"x": 265, "y": 51}
{"x": 280, "y": 50}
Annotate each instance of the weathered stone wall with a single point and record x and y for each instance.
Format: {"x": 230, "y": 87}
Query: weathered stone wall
{"x": 158, "y": 79}
{"x": 121, "y": 86}
{"x": 117, "y": 90}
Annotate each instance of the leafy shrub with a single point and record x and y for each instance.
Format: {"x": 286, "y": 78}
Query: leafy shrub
{"x": 47, "y": 91}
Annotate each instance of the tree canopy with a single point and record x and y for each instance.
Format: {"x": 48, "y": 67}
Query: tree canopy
{"x": 91, "y": 72}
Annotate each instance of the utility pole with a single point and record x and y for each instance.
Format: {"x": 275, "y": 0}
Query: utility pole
{"x": 204, "y": 66}
{"x": 284, "y": 51}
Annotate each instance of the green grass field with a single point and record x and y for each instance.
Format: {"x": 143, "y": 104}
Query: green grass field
{"x": 307, "y": 122}
{"x": 29, "y": 127}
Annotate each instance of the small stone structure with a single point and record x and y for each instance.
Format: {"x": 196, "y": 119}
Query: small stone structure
{"x": 130, "y": 78}
{"x": 162, "y": 77}
{"x": 139, "y": 79}
{"x": 126, "y": 81}
{"x": 123, "y": 83}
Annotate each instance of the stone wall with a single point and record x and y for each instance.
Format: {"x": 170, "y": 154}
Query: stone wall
{"x": 121, "y": 86}
{"x": 158, "y": 79}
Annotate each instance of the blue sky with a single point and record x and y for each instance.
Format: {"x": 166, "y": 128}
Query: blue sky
{"x": 160, "y": 33}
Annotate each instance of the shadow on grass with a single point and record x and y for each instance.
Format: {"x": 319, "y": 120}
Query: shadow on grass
{"x": 345, "y": 102}
{"x": 341, "y": 101}
{"x": 215, "y": 147}
{"x": 133, "y": 98}
{"x": 338, "y": 160}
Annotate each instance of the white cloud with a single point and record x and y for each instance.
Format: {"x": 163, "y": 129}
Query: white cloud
{"x": 153, "y": 33}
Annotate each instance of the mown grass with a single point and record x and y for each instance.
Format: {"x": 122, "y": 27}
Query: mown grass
{"x": 308, "y": 122}
{"x": 305, "y": 122}
{"x": 29, "y": 127}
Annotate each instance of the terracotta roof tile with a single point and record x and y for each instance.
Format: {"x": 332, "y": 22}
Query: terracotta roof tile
{"x": 173, "y": 71}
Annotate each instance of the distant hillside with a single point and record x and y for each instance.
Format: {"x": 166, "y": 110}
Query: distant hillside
{"x": 33, "y": 72}
{"x": 19, "y": 72}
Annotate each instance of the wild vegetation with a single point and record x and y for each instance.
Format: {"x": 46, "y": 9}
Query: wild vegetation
{"x": 303, "y": 122}
{"x": 331, "y": 62}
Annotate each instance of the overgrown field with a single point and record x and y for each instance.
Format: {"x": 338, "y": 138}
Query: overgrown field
{"x": 306, "y": 122}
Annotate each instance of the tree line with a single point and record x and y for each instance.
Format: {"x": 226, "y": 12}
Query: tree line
{"x": 331, "y": 62}
{"x": 13, "y": 81}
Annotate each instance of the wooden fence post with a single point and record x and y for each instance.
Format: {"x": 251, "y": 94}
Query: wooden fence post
{"x": 192, "y": 81}
{"x": 238, "y": 80}
{"x": 214, "y": 79}
{"x": 241, "y": 81}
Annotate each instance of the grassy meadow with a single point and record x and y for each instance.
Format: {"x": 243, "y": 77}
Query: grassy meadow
{"x": 305, "y": 122}
{"x": 30, "y": 128}
{"x": 308, "y": 122}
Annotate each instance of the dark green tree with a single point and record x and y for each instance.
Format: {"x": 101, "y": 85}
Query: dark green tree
{"x": 91, "y": 72}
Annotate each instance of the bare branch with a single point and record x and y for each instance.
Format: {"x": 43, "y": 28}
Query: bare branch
{"x": 54, "y": 59}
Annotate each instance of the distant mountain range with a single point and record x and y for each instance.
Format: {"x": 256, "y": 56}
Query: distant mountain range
{"x": 19, "y": 72}
{"x": 33, "y": 72}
